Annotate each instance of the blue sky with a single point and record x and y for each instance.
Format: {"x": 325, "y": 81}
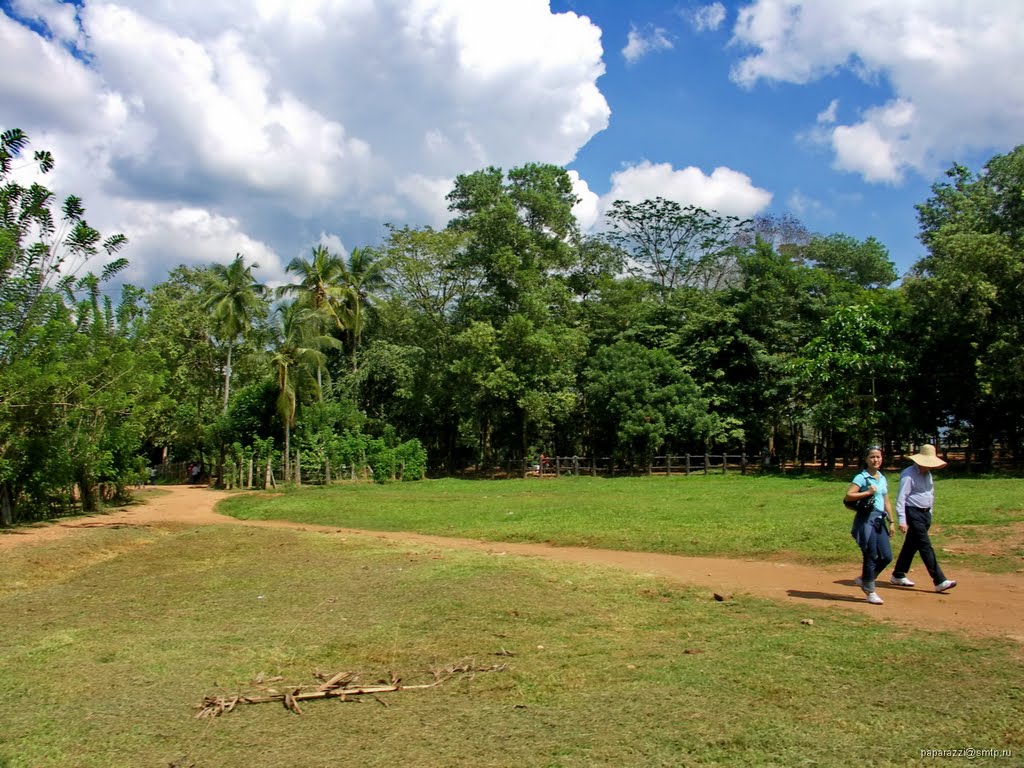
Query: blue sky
{"x": 204, "y": 128}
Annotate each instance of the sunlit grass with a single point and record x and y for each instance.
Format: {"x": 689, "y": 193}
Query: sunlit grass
{"x": 103, "y": 661}
{"x": 796, "y": 518}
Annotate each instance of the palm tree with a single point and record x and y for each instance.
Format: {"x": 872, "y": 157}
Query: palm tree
{"x": 321, "y": 287}
{"x": 363, "y": 273}
{"x": 297, "y": 352}
{"x": 235, "y": 300}
{"x": 321, "y": 283}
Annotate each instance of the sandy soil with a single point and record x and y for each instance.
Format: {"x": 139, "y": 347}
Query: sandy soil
{"x": 983, "y": 604}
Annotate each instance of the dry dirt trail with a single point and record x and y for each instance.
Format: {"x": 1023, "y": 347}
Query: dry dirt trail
{"x": 983, "y": 603}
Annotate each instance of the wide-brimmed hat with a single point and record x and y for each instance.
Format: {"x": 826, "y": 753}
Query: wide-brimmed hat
{"x": 927, "y": 458}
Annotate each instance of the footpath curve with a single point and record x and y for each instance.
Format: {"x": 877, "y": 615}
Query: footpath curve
{"x": 983, "y": 604}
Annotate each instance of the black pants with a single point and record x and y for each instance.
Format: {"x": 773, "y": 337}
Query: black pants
{"x": 918, "y": 522}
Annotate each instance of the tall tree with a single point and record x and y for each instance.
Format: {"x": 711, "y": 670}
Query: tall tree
{"x": 677, "y": 246}
{"x": 322, "y": 287}
{"x": 519, "y": 341}
{"x": 363, "y": 274}
{"x": 235, "y": 300}
{"x": 296, "y": 354}
{"x": 967, "y": 305}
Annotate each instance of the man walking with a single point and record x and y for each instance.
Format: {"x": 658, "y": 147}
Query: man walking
{"x": 914, "y": 504}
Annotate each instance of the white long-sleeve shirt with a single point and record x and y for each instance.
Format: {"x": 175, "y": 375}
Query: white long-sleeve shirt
{"x": 917, "y": 489}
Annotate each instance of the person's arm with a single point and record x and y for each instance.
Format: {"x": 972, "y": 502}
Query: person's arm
{"x": 854, "y": 492}
{"x": 906, "y": 486}
{"x": 888, "y": 515}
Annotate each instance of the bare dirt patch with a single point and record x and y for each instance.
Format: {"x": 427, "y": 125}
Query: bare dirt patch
{"x": 982, "y": 605}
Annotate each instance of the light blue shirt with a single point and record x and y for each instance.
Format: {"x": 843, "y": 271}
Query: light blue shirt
{"x": 864, "y": 479}
{"x": 917, "y": 489}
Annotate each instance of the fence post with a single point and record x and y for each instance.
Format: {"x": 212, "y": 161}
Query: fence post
{"x": 687, "y": 464}
{"x": 707, "y": 463}
{"x": 558, "y": 466}
{"x": 593, "y": 466}
{"x": 743, "y": 463}
{"x": 725, "y": 463}
{"x": 668, "y": 465}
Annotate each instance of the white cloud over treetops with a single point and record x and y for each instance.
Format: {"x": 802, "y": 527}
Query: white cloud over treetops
{"x": 951, "y": 66}
{"x": 202, "y": 129}
{"x": 724, "y": 191}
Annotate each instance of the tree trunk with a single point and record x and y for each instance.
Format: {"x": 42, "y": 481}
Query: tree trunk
{"x": 227, "y": 380}
{"x": 90, "y": 495}
{"x": 287, "y": 448}
{"x": 6, "y": 505}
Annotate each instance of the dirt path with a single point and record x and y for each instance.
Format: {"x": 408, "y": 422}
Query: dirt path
{"x": 983, "y": 604}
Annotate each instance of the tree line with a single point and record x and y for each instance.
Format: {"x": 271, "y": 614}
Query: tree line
{"x": 506, "y": 334}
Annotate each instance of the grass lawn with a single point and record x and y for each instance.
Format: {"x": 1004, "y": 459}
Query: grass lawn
{"x": 112, "y": 637}
{"x": 799, "y": 518}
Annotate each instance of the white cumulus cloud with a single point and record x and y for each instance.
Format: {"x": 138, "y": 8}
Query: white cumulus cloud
{"x": 272, "y": 121}
{"x": 945, "y": 63}
{"x": 725, "y": 191}
{"x": 708, "y": 17}
{"x": 639, "y": 43}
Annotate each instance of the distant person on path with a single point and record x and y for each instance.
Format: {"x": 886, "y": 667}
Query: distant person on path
{"x": 194, "y": 473}
{"x": 914, "y": 504}
{"x": 872, "y": 529}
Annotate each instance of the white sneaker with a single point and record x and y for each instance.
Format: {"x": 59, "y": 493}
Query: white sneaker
{"x": 902, "y": 581}
{"x": 874, "y": 599}
{"x": 945, "y": 586}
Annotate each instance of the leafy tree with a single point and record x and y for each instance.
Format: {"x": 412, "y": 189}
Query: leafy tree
{"x": 967, "y": 304}
{"x": 63, "y": 372}
{"x": 864, "y": 264}
{"x": 839, "y": 370}
{"x": 677, "y": 246}
{"x": 641, "y": 400}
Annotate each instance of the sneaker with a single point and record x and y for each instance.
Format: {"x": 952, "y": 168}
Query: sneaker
{"x": 945, "y": 586}
{"x": 874, "y": 599}
{"x": 901, "y": 581}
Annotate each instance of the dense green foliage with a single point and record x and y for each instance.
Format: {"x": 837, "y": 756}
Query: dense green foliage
{"x": 507, "y": 334}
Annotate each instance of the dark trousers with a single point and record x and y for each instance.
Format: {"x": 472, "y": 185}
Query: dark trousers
{"x": 918, "y": 522}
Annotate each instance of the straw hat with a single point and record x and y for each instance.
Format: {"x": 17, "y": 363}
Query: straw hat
{"x": 926, "y": 458}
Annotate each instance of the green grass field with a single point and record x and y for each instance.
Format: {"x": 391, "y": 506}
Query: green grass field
{"x": 111, "y": 638}
{"x": 796, "y": 518}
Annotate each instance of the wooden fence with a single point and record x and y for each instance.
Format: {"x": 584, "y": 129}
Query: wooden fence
{"x": 685, "y": 464}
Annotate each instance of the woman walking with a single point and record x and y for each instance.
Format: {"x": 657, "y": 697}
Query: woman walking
{"x": 872, "y": 528}
{"x": 914, "y": 510}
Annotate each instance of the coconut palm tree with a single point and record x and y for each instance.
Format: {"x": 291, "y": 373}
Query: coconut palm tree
{"x": 236, "y": 301}
{"x": 321, "y": 287}
{"x": 296, "y": 354}
{"x": 363, "y": 275}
